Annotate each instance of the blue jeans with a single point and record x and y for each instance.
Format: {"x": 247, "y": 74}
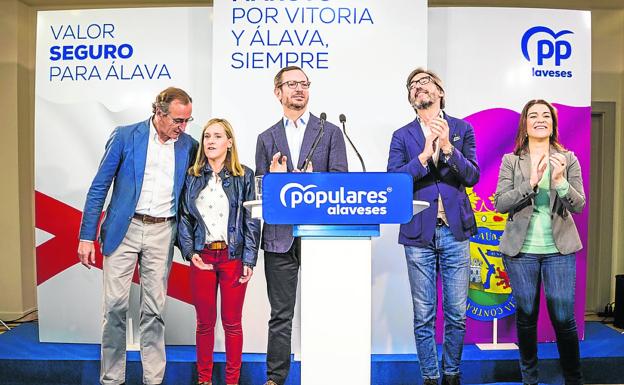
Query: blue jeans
{"x": 558, "y": 274}
{"x": 453, "y": 259}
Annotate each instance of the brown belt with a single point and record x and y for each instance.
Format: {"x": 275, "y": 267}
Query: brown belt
{"x": 151, "y": 220}
{"x": 216, "y": 245}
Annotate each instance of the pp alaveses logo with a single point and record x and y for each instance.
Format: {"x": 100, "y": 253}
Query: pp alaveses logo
{"x": 551, "y": 48}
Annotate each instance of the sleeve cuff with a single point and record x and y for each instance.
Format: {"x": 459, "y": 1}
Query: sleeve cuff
{"x": 563, "y": 188}
{"x": 189, "y": 256}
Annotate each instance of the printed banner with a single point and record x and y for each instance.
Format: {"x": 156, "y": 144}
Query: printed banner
{"x": 490, "y": 70}
{"x": 357, "y": 54}
{"x": 344, "y": 46}
{"x": 98, "y": 69}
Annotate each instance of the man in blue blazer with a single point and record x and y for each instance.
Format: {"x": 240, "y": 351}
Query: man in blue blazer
{"x": 146, "y": 163}
{"x": 290, "y": 139}
{"x": 439, "y": 152}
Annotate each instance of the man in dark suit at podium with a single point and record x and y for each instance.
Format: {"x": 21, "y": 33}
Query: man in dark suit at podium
{"x": 291, "y": 138}
{"x": 439, "y": 152}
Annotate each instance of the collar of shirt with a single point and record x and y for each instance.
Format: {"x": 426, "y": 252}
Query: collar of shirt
{"x": 420, "y": 121}
{"x": 155, "y": 137}
{"x": 302, "y": 121}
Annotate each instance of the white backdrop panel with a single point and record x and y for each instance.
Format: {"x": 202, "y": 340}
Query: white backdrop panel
{"x": 366, "y": 57}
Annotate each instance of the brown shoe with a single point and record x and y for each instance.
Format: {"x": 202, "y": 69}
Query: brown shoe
{"x": 204, "y": 383}
{"x": 270, "y": 382}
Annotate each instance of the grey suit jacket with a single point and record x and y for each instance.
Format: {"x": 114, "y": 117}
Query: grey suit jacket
{"x": 330, "y": 156}
{"x": 515, "y": 196}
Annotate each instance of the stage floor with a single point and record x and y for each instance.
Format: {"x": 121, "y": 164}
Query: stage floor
{"x": 24, "y": 360}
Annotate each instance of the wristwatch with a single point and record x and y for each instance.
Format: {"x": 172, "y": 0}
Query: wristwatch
{"x": 448, "y": 155}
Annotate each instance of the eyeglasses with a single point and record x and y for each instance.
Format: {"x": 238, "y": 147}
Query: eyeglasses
{"x": 180, "y": 120}
{"x": 292, "y": 84}
{"x": 421, "y": 81}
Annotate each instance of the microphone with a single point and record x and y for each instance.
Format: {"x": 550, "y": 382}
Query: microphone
{"x": 343, "y": 119}
{"x": 308, "y": 158}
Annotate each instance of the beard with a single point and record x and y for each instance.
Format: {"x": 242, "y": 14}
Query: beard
{"x": 423, "y": 104}
{"x": 295, "y": 105}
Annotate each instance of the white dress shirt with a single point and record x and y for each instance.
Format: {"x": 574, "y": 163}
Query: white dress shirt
{"x": 435, "y": 157}
{"x": 426, "y": 132}
{"x": 214, "y": 207}
{"x": 156, "y": 198}
{"x": 294, "y": 135}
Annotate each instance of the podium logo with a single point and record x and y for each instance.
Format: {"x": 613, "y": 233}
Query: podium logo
{"x": 341, "y": 201}
{"x": 551, "y": 48}
{"x": 296, "y": 196}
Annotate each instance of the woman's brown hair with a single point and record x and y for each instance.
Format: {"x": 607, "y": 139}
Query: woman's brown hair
{"x": 522, "y": 138}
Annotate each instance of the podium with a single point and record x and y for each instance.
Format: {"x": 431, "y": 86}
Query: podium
{"x": 336, "y": 215}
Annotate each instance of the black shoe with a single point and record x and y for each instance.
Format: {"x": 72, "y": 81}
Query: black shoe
{"x": 430, "y": 381}
{"x": 451, "y": 380}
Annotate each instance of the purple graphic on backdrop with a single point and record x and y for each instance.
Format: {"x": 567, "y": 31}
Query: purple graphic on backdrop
{"x": 495, "y": 131}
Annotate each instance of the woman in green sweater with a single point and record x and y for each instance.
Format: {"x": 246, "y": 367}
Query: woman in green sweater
{"x": 539, "y": 186}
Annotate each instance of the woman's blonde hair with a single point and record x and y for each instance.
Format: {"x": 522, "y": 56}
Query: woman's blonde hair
{"x": 231, "y": 159}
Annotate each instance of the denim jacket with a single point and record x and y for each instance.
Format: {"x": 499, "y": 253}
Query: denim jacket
{"x": 243, "y": 231}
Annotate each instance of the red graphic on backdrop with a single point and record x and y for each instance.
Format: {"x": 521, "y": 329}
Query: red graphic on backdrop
{"x": 59, "y": 253}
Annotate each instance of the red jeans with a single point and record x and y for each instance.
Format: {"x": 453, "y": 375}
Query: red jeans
{"x": 204, "y": 286}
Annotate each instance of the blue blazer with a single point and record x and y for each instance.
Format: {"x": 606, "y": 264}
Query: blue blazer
{"x": 449, "y": 180}
{"x": 124, "y": 163}
{"x": 330, "y": 156}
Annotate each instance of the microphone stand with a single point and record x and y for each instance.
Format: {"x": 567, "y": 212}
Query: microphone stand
{"x": 343, "y": 119}
{"x": 308, "y": 158}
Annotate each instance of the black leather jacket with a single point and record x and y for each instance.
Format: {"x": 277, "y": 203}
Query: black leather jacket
{"x": 243, "y": 231}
